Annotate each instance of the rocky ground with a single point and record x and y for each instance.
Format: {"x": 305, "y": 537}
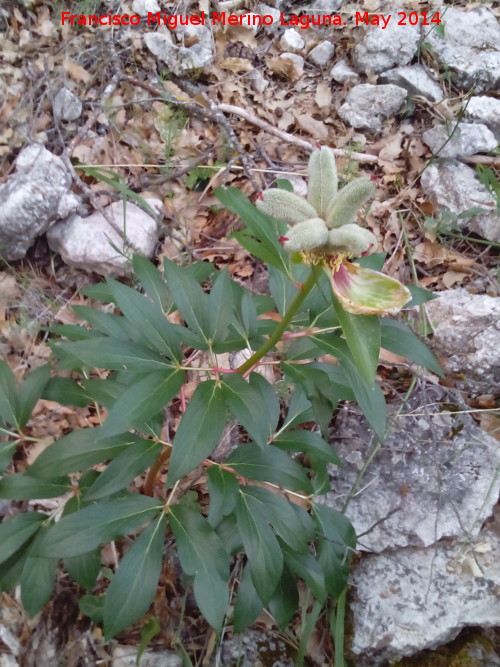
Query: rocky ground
{"x": 93, "y": 114}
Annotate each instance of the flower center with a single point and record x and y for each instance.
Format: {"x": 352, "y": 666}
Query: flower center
{"x": 318, "y": 258}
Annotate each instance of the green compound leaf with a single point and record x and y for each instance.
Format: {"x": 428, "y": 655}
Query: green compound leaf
{"x": 37, "y": 583}
{"x": 248, "y": 604}
{"x": 22, "y": 486}
{"x": 223, "y": 491}
{"x": 84, "y": 568}
{"x": 308, "y": 442}
{"x": 152, "y": 281}
{"x": 190, "y": 299}
{"x": 83, "y": 531}
{"x": 200, "y": 430}
{"x": 261, "y": 546}
{"x": 133, "y": 587}
{"x": 285, "y": 599}
{"x": 8, "y": 394}
{"x": 29, "y": 392}
{"x": 245, "y": 401}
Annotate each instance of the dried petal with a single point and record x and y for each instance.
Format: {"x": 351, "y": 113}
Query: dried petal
{"x": 365, "y": 292}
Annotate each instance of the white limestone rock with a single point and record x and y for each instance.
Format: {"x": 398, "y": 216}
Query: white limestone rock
{"x": 434, "y": 478}
{"x": 458, "y": 139}
{"x": 453, "y": 186}
{"x": 416, "y": 80}
{"x": 409, "y": 600}
{"x": 32, "y": 199}
{"x": 486, "y": 110}
{"x": 291, "y": 40}
{"x": 142, "y": 7}
{"x": 87, "y": 243}
{"x": 126, "y": 656}
{"x": 383, "y": 48}
{"x": 66, "y": 106}
{"x": 341, "y": 72}
{"x": 470, "y": 48}
{"x": 467, "y": 338}
{"x": 182, "y": 58}
{"x": 366, "y": 105}
{"x": 321, "y": 54}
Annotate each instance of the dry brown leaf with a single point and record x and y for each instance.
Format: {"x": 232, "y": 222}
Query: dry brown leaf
{"x": 323, "y": 97}
{"x": 451, "y": 277}
{"x": 76, "y": 72}
{"x": 316, "y": 128}
{"x": 236, "y": 65}
{"x": 285, "y": 67}
{"x": 431, "y": 254}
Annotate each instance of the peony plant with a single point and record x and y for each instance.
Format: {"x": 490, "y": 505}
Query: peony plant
{"x": 323, "y": 231}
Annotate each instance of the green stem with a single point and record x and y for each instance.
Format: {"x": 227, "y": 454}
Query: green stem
{"x": 282, "y": 326}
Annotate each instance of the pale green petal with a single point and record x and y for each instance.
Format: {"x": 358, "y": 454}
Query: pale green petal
{"x": 344, "y": 207}
{"x": 322, "y": 186}
{"x": 365, "y": 292}
{"x": 352, "y": 239}
{"x": 285, "y": 206}
{"x": 307, "y": 235}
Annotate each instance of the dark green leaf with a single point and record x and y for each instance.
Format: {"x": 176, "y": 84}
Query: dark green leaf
{"x": 151, "y": 327}
{"x": 200, "y": 430}
{"x": 79, "y": 450}
{"x": 17, "y": 531}
{"x": 133, "y": 586}
{"x": 318, "y": 389}
{"x": 149, "y": 630}
{"x": 269, "y": 465}
{"x": 200, "y": 548}
{"x": 8, "y": 394}
{"x": 110, "y": 324}
{"x": 335, "y": 526}
{"x": 92, "y": 606}
{"x": 220, "y": 304}
{"x": 83, "y": 531}
{"x": 335, "y": 550}
{"x": 362, "y": 333}
{"x": 7, "y": 450}
{"x": 285, "y": 599}
{"x": 282, "y": 289}
{"x": 420, "y": 295}
{"x": 294, "y": 530}
{"x": 261, "y": 546}
{"x": 84, "y": 568}
{"x": 72, "y": 331}
{"x": 22, "y": 486}
{"x": 374, "y": 262}
{"x": 66, "y": 392}
{"x": 223, "y": 491}
{"x": 212, "y": 596}
{"x": 308, "y": 442}
{"x": 152, "y": 281}
{"x": 308, "y": 568}
{"x": 246, "y": 401}
{"x": 248, "y": 604}
{"x": 190, "y": 299}
{"x": 397, "y": 338}
{"x": 37, "y": 583}
{"x": 109, "y": 353}
{"x": 142, "y": 400}
{"x": 29, "y": 393}
{"x": 130, "y": 463}
{"x": 299, "y": 409}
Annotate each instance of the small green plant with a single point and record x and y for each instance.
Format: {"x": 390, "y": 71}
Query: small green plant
{"x": 258, "y": 527}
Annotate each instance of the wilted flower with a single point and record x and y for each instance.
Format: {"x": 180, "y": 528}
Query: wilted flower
{"x": 323, "y": 231}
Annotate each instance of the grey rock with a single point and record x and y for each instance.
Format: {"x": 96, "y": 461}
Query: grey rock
{"x": 366, "y": 105}
{"x": 467, "y": 337}
{"x": 341, "y": 72}
{"x": 415, "y": 599}
{"x": 453, "y": 186}
{"x": 416, "y": 80}
{"x": 66, "y": 106}
{"x": 486, "y": 110}
{"x": 322, "y": 6}
{"x": 253, "y": 648}
{"x": 182, "y": 58}
{"x": 433, "y": 478}
{"x": 125, "y": 656}
{"x": 458, "y": 139}
{"x": 291, "y": 40}
{"x": 87, "y": 243}
{"x": 264, "y": 9}
{"x": 381, "y": 49}
{"x": 33, "y": 199}
{"x": 321, "y": 54}
{"x": 470, "y": 48}
{"x": 142, "y": 7}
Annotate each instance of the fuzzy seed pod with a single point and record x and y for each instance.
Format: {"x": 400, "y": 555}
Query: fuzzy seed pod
{"x": 307, "y": 235}
{"x": 322, "y": 186}
{"x": 351, "y": 239}
{"x": 343, "y": 208}
{"x": 285, "y": 206}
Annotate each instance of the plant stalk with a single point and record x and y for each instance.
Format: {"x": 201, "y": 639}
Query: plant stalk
{"x": 282, "y": 326}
